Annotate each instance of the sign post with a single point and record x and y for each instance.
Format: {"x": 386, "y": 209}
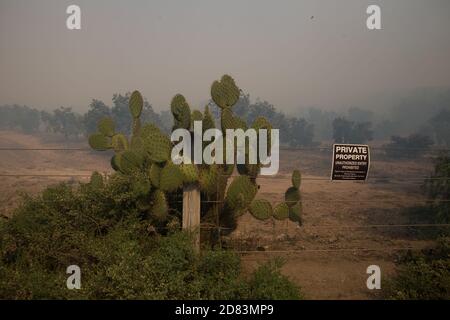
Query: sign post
{"x": 350, "y": 162}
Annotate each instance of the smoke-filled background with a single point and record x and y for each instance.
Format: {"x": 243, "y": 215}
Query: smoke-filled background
{"x": 301, "y": 63}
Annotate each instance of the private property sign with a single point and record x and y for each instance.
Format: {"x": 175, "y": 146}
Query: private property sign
{"x": 350, "y": 162}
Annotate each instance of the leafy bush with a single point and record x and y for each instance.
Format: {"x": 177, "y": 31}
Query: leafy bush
{"x": 438, "y": 189}
{"x": 424, "y": 276}
{"x": 102, "y": 230}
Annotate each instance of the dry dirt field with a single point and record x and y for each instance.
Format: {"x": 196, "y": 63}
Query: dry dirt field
{"x": 345, "y": 227}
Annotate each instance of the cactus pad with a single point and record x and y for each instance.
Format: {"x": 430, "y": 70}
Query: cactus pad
{"x": 296, "y": 179}
{"x": 154, "y": 173}
{"x": 292, "y": 196}
{"x": 281, "y": 211}
{"x": 240, "y": 186}
{"x": 261, "y": 209}
{"x": 190, "y": 173}
{"x": 225, "y": 93}
{"x": 295, "y": 213}
{"x": 158, "y": 146}
{"x": 106, "y": 126}
{"x": 160, "y": 208}
{"x": 119, "y": 142}
{"x": 99, "y": 142}
{"x": 136, "y": 104}
{"x": 181, "y": 112}
{"x": 208, "y": 179}
{"x": 171, "y": 178}
{"x": 131, "y": 161}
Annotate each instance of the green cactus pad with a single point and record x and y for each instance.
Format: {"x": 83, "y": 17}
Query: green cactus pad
{"x": 181, "y": 112}
{"x": 197, "y": 115}
{"x": 159, "y": 209}
{"x": 106, "y": 126}
{"x": 131, "y": 161}
{"x": 158, "y": 147}
{"x": 140, "y": 185}
{"x": 137, "y": 143}
{"x": 136, "y": 104}
{"x": 208, "y": 120}
{"x": 115, "y": 162}
{"x": 261, "y": 209}
{"x": 99, "y": 142}
{"x": 149, "y": 129}
{"x": 292, "y": 196}
{"x": 296, "y": 179}
{"x": 119, "y": 142}
{"x": 209, "y": 179}
{"x": 295, "y": 213}
{"x": 225, "y": 93}
{"x": 154, "y": 173}
{"x": 263, "y": 123}
{"x": 190, "y": 173}
{"x": 171, "y": 178}
{"x": 281, "y": 211}
{"x": 96, "y": 180}
{"x": 227, "y": 120}
{"x": 240, "y": 185}
{"x": 136, "y": 129}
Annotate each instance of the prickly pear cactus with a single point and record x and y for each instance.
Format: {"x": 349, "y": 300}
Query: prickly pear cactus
{"x": 145, "y": 158}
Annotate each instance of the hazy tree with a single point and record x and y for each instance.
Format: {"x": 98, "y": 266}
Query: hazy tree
{"x": 411, "y": 146}
{"x": 64, "y": 121}
{"x": 97, "y": 110}
{"x": 440, "y": 125}
{"x": 345, "y": 131}
{"x": 300, "y": 133}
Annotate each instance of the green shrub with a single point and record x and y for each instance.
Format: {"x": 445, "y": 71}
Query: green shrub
{"x": 424, "y": 276}
{"x": 103, "y": 231}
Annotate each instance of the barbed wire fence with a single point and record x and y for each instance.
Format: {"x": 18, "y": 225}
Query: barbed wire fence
{"x": 239, "y": 243}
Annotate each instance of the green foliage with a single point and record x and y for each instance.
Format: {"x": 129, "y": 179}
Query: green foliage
{"x": 422, "y": 276}
{"x": 101, "y": 230}
{"x": 437, "y": 188}
{"x": 268, "y": 283}
{"x": 96, "y": 180}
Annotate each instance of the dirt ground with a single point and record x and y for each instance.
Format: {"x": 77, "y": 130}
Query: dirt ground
{"x": 345, "y": 228}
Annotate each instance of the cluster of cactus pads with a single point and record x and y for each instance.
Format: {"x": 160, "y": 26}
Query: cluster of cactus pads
{"x": 146, "y": 158}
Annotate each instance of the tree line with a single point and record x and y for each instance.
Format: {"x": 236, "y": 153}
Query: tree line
{"x": 356, "y": 125}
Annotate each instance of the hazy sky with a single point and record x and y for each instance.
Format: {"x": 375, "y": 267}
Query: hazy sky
{"x": 274, "y": 50}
